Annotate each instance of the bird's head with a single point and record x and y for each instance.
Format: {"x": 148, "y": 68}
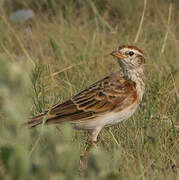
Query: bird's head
{"x": 129, "y": 57}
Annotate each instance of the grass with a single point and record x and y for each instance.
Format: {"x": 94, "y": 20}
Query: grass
{"x": 66, "y": 50}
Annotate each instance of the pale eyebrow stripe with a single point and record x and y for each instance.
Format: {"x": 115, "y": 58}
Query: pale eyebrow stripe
{"x": 134, "y": 50}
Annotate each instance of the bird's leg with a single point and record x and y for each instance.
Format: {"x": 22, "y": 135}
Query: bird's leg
{"x": 94, "y": 136}
{"x": 84, "y": 158}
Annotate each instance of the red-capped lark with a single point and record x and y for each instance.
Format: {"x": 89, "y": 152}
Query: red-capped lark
{"x": 105, "y": 103}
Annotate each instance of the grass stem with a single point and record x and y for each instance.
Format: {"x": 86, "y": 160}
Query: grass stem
{"x": 141, "y": 22}
{"x": 167, "y": 32}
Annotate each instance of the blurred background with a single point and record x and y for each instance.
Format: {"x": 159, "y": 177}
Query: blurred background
{"x": 52, "y": 49}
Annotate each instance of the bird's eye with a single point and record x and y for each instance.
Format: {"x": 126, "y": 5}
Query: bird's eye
{"x": 131, "y": 53}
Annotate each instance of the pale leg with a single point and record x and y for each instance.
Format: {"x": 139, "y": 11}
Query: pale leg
{"x": 94, "y": 135}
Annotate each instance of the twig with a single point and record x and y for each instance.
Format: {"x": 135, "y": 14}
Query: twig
{"x": 67, "y": 68}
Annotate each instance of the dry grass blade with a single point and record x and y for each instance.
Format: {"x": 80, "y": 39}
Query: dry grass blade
{"x": 167, "y": 32}
{"x": 141, "y": 22}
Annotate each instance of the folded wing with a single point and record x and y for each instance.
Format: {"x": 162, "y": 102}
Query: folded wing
{"x": 112, "y": 93}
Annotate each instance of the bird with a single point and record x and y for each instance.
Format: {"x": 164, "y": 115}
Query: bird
{"x": 107, "y": 102}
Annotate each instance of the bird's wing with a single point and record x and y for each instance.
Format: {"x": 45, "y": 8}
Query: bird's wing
{"x": 112, "y": 93}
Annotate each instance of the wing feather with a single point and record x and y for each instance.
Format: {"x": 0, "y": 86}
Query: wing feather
{"x": 112, "y": 93}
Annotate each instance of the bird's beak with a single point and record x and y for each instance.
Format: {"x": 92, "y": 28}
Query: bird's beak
{"x": 118, "y": 55}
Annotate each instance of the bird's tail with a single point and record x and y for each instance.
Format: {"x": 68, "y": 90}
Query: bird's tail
{"x": 46, "y": 118}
